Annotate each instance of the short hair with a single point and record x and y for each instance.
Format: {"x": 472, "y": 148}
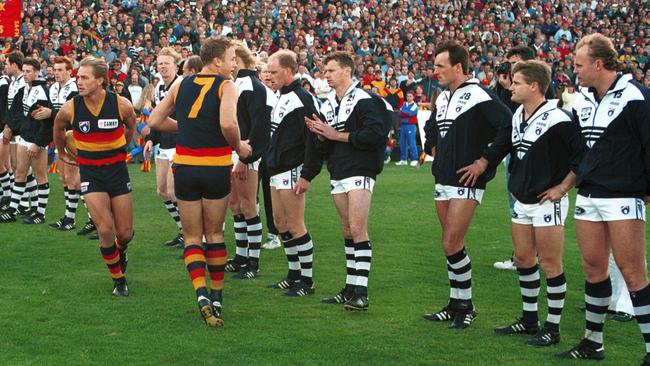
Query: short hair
{"x": 99, "y": 67}
{"x": 342, "y": 58}
{"x": 214, "y": 47}
{"x": 457, "y": 54}
{"x": 17, "y": 58}
{"x": 194, "y": 63}
{"x": 242, "y": 51}
{"x": 63, "y": 60}
{"x": 534, "y": 71}
{"x": 287, "y": 60}
{"x": 601, "y": 48}
{"x": 171, "y": 52}
{"x": 29, "y": 61}
{"x": 526, "y": 53}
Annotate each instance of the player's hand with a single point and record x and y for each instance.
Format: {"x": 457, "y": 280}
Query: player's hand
{"x": 321, "y": 128}
{"x": 553, "y": 194}
{"x": 244, "y": 149}
{"x": 146, "y": 150}
{"x": 33, "y": 150}
{"x": 41, "y": 113}
{"x": 472, "y": 172}
{"x": 433, "y": 153}
{"x": 67, "y": 158}
{"x": 6, "y": 135}
{"x": 301, "y": 186}
{"x": 241, "y": 171}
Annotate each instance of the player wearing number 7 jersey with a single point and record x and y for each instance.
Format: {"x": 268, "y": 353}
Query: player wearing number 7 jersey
{"x": 206, "y": 112}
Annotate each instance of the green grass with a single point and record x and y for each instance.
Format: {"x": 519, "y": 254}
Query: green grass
{"x": 56, "y": 307}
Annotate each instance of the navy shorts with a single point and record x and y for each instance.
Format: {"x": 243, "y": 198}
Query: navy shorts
{"x": 112, "y": 179}
{"x": 192, "y": 183}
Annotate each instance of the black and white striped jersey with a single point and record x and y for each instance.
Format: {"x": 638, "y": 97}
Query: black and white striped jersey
{"x": 617, "y": 136}
{"x": 61, "y": 94}
{"x": 254, "y": 108}
{"x": 32, "y": 130}
{"x": 365, "y": 116}
{"x": 4, "y": 90}
{"x": 15, "y": 85}
{"x": 545, "y": 147}
{"x": 292, "y": 143}
{"x": 464, "y": 126}
{"x": 167, "y": 140}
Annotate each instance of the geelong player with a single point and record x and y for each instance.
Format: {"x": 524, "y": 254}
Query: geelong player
{"x": 546, "y": 152}
{"x": 103, "y": 124}
{"x": 468, "y": 134}
{"x": 206, "y": 111}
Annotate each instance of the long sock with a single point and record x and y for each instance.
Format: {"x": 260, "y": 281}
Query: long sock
{"x": 112, "y": 259}
{"x": 12, "y": 179}
{"x": 195, "y": 264}
{"x": 363, "y": 259}
{"x": 5, "y": 185}
{"x": 462, "y": 267}
{"x": 306, "y": 257}
{"x": 31, "y": 191}
{"x": 641, "y": 302}
{"x": 172, "y": 208}
{"x": 73, "y": 199}
{"x": 597, "y": 298}
{"x": 555, "y": 293}
{"x": 216, "y": 258}
{"x": 17, "y": 192}
{"x": 66, "y": 197}
{"x": 453, "y": 286}
{"x": 43, "y": 196}
{"x": 350, "y": 265}
{"x": 24, "y": 199}
{"x": 254, "y": 234}
{"x": 241, "y": 239}
{"x": 529, "y": 287}
{"x": 291, "y": 251}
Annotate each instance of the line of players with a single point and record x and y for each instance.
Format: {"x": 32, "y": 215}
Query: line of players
{"x": 601, "y": 151}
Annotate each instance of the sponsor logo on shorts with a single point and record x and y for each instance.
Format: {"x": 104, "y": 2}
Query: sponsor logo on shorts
{"x": 547, "y": 218}
{"x": 108, "y": 124}
{"x": 84, "y": 126}
{"x": 84, "y": 186}
{"x": 625, "y": 210}
{"x": 579, "y": 210}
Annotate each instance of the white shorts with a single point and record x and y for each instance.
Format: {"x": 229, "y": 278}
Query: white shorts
{"x": 252, "y": 166}
{"x": 286, "y": 180}
{"x": 349, "y": 184}
{"x": 547, "y": 214}
{"x": 446, "y": 193}
{"x": 166, "y": 154}
{"x": 22, "y": 142}
{"x": 609, "y": 209}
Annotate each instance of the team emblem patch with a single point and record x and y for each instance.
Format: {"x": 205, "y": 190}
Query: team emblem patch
{"x": 514, "y": 215}
{"x": 610, "y": 112}
{"x": 625, "y": 210}
{"x": 547, "y": 218}
{"x": 437, "y": 193}
{"x": 128, "y": 186}
{"x": 461, "y": 191}
{"x": 285, "y": 182}
{"x": 579, "y": 210}
{"x": 585, "y": 113}
{"x": 538, "y": 131}
{"x": 84, "y": 126}
{"x": 357, "y": 182}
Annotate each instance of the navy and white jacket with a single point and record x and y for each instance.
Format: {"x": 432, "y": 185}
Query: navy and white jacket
{"x": 167, "y": 140}
{"x": 545, "y": 147}
{"x": 4, "y": 91}
{"x": 617, "y": 136}
{"x": 254, "y": 112}
{"x": 15, "y": 85}
{"x": 61, "y": 94}
{"x": 365, "y": 116}
{"x": 464, "y": 126}
{"x": 25, "y": 102}
{"x": 292, "y": 143}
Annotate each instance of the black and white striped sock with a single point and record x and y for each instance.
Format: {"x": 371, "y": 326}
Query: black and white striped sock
{"x": 66, "y": 197}
{"x": 453, "y": 286}
{"x": 291, "y": 251}
{"x": 5, "y": 185}
{"x": 43, "y": 196}
{"x": 350, "y": 265}
{"x": 597, "y": 298}
{"x": 363, "y": 260}
{"x": 462, "y": 267}
{"x": 529, "y": 285}
{"x": 254, "y": 234}
{"x": 641, "y": 302}
{"x": 73, "y": 197}
{"x": 555, "y": 294}
{"x": 32, "y": 190}
{"x": 17, "y": 193}
{"x": 172, "y": 208}
{"x": 306, "y": 257}
{"x": 241, "y": 239}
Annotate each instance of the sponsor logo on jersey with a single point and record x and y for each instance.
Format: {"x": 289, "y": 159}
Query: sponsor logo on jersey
{"x": 108, "y": 124}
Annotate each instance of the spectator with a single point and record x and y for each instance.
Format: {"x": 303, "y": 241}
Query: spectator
{"x": 408, "y": 130}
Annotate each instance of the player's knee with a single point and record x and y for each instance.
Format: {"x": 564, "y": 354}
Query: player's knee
{"x": 345, "y": 229}
{"x": 551, "y": 266}
{"x": 124, "y": 234}
{"x": 635, "y": 278}
{"x": 523, "y": 259}
{"x": 358, "y": 230}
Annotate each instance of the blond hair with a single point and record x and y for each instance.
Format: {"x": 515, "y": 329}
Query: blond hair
{"x": 601, "y": 48}
{"x": 99, "y": 67}
{"x": 171, "y": 52}
{"x": 242, "y": 51}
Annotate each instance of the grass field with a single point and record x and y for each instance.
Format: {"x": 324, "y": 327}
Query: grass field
{"x": 56, "y": 307}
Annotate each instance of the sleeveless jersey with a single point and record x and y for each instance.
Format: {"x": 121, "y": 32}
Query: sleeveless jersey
{"x": 200, "y": 141}
{"x": 100, "y": 134}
